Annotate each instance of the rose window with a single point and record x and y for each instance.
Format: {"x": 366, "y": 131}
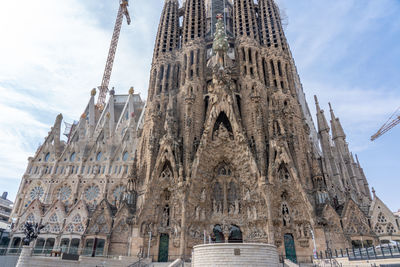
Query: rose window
{"x": 37, "y": 192}
{"x": 92, "y": 192}
{"x": 64, "y": 193}
{"x": 118, "y": 191}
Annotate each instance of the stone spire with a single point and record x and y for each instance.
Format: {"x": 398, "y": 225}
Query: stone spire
{"x": 245, "y": 19}
{"x": 330, "y": 162}
{"x": 168, "y": 29}
{"x": 168, "y": 35}
{"x": 337, "y": 129}
{"x": 364, "y": 179}
{"x": 271, "y": 31}
{"x": 322, "y": 123}
{"x": 194, "y": 26}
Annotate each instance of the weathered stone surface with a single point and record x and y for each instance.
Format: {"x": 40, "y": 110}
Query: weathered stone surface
{"x": 225, "y": 145}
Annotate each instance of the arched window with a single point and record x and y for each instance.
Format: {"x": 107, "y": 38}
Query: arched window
{"x": 233, "y": 204}
{"x": 125, "y": 156}
{"x": 72, "y": 157}
{"x": 222, "y": 119}
{"x": 218, "y": 204}
{"x": 166, "y": 173}
{"x": 283, "y": 173}
{"x": 98, "y": 157}
{"x": 235, "y": 235}
{"x": 46, "y": 158}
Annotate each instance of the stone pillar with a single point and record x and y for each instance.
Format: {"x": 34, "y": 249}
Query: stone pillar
{"x": 182, "y": 248}
{"x": 25, "y": 256}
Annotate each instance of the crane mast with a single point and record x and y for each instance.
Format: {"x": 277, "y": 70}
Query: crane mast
{"x": 103, "y": 88}
{"x": 388, "y": 125}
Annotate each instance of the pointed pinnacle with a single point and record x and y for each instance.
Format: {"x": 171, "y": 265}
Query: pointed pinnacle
{"x": 316, "y": 100}
{"x": 331, "y": 110}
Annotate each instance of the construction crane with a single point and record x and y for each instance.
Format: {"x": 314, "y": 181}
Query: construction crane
{"x": 103, "y": 88}
{"x": 390, "y": 123}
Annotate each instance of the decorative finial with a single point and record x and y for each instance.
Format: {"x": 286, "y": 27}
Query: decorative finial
{"x": 108, "y": 115}
{"x": 316, "y": 99}
{"x": 131, "y": 90}
{"x": 330, "y": 106}
{"x": 83, "y": 116}
{"x": 93, "y": 92}
{"x": 373, "y": 192}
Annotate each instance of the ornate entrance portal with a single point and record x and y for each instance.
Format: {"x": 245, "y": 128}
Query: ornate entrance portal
{"x": 290, "y": 249}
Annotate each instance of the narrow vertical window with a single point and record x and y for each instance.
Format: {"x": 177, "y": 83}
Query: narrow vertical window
{"x": 279, "y": 68}
{"x": 272, "y": 67}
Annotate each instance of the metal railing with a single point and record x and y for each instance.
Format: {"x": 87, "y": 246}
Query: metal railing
{"x": 4, "y": 251}
{"x": 382, "y": 251}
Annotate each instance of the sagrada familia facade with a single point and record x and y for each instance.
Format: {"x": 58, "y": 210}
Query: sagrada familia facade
{"x": 224, "y": 149}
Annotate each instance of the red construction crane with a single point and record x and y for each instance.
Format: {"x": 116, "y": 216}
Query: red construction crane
{"x": 103, "y": 88}
{"x": 390, "y": 123}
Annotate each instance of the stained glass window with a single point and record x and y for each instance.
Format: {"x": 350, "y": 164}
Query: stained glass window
{"x": 70, "y": 227}
{"x": 37, "y": 192}
{"x": 56, "y": 228}
{"x": 77, "y": 218}
{"x": 53, "y": 218}
{"x": 64, "y": 193}
{"x": 79, "y": 228}
{"x": 118, "y": 191}
{"x": 92, "y": 192}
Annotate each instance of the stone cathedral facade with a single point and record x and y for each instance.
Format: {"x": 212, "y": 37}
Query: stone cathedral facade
{"x": 224, "y": 149}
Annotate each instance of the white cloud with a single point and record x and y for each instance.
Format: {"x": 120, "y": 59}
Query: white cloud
{"x": 52, "y": 54}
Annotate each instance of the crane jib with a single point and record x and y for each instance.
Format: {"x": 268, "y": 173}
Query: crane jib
{"x": 103, "y": 88}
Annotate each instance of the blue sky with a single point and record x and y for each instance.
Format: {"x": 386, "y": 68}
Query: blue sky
{"x": 53, "y": 52}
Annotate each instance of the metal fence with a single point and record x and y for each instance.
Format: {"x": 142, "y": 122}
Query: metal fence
{"x": 382, "y": 251}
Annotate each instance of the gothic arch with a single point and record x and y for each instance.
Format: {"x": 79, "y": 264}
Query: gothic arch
{"x": 222, "y": 120}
